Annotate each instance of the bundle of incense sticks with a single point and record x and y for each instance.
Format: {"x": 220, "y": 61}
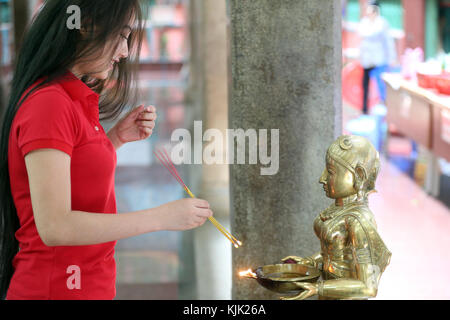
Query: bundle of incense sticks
{"x": 164, "y": 158}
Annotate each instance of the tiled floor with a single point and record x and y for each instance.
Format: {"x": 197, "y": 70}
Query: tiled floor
{"x": 414, "y": 226}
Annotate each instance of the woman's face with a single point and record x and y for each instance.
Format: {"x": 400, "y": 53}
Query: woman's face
{"x": 372, "y": 11}
{"x": 338, "y": 182}
{"x": 102, "y": 63}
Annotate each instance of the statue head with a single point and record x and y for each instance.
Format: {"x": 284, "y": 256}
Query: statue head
{"x": 352, "y": 166}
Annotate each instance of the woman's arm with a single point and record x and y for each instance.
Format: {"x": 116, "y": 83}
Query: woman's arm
{"x": 49, "y": 179}
{"x": 137, "y": 125}
{"x": 112, "y": 135}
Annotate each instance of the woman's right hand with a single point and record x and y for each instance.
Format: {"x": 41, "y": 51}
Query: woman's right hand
{"x": 184, "y": 214}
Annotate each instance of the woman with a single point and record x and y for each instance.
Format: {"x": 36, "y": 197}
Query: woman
{"x": 377, "y": 50}
{"x": 57, "y": 201}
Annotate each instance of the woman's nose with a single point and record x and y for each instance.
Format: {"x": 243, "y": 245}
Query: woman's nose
{"x": 124, "y": 51}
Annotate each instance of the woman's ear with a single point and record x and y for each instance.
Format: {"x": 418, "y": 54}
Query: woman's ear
{"x": 87, "y": 28}
{"x": 84, "y": 32}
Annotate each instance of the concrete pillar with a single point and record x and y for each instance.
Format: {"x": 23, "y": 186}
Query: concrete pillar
{"x": 286, "y": 74}
{"x": 207, "y": 99}
{"x": 194, "y": 104}
{"x": 22, "y": 13}
{"x": 214, "y": 268}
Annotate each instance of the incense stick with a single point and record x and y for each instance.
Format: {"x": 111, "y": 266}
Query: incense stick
{"x": 165, "y": 160}
{"x": 188, "y": 191}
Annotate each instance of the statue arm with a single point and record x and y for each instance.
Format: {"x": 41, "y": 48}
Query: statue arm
{"x": 365, "y": 285}
{"x": 316, "y": 259}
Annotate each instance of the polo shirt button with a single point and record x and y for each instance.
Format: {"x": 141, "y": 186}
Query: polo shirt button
{"x": 96, "y": 128}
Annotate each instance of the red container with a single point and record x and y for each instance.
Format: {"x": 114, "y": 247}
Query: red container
{"x": 427, "y": 81}
{"x": 443, "y": 83}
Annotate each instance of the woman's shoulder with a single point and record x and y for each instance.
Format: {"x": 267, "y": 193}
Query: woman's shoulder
{"x": 45, "y": 103}
{"x": 49, "y": 91}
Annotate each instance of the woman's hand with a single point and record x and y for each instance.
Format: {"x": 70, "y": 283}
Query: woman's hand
{"x": 136, "y": 125}
{"x": 184, "y": 214}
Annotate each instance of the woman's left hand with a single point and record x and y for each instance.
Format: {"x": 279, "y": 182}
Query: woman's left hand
{"x": 136, "y": 125}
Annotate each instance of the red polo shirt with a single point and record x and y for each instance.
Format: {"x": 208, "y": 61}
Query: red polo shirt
{"x": 63, "y": 116}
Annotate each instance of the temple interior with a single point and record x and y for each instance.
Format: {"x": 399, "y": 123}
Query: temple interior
{"x": 245, "y": 64}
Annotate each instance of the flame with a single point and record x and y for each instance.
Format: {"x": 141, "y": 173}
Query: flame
{"x": 248, "y": 274}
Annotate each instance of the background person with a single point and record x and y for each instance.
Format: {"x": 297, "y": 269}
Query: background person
{"x": 377, "y": 50}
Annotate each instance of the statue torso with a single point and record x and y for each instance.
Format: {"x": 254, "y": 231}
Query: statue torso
{"x": 331, "y": 227}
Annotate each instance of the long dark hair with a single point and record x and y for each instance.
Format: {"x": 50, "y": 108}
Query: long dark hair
{"x": 48, "y": 50}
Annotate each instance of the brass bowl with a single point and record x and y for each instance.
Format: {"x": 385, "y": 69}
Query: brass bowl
{"x": 283, "y": 278}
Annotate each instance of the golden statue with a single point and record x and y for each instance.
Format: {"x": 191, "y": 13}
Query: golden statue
{"x": 353, "y": 256}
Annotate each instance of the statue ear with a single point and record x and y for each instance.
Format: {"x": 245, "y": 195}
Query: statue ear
{"x": 361, "y": 172}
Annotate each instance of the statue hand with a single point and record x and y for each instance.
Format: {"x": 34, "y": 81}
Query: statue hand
{"x": 310, "y": 290}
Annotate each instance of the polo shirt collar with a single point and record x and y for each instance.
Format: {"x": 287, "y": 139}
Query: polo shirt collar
{"x": 76, "y": 88}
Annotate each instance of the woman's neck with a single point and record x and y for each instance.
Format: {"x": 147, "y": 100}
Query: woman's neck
{"x": 76, "y": 73}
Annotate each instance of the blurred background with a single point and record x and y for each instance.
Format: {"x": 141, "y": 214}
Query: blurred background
{"x": 184, "y": 73}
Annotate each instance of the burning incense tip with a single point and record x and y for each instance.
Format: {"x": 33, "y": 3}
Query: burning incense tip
{"x": 236, "y": 246}
{"x": 248, "y": 274}
{"x": 239, "y": 243}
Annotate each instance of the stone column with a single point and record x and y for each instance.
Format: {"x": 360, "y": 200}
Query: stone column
{"x": 214, "y": 268}
{"x": 286, "y": 74}
{"x": 207, "y": 99}
{"x": 187, "y": 289}
{"x": 22, "y": 13}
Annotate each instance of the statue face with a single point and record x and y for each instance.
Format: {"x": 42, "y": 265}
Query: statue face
{"x": 338, "y": 182}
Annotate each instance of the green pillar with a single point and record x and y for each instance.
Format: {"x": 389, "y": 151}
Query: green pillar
{"x": 431, "y": 28}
